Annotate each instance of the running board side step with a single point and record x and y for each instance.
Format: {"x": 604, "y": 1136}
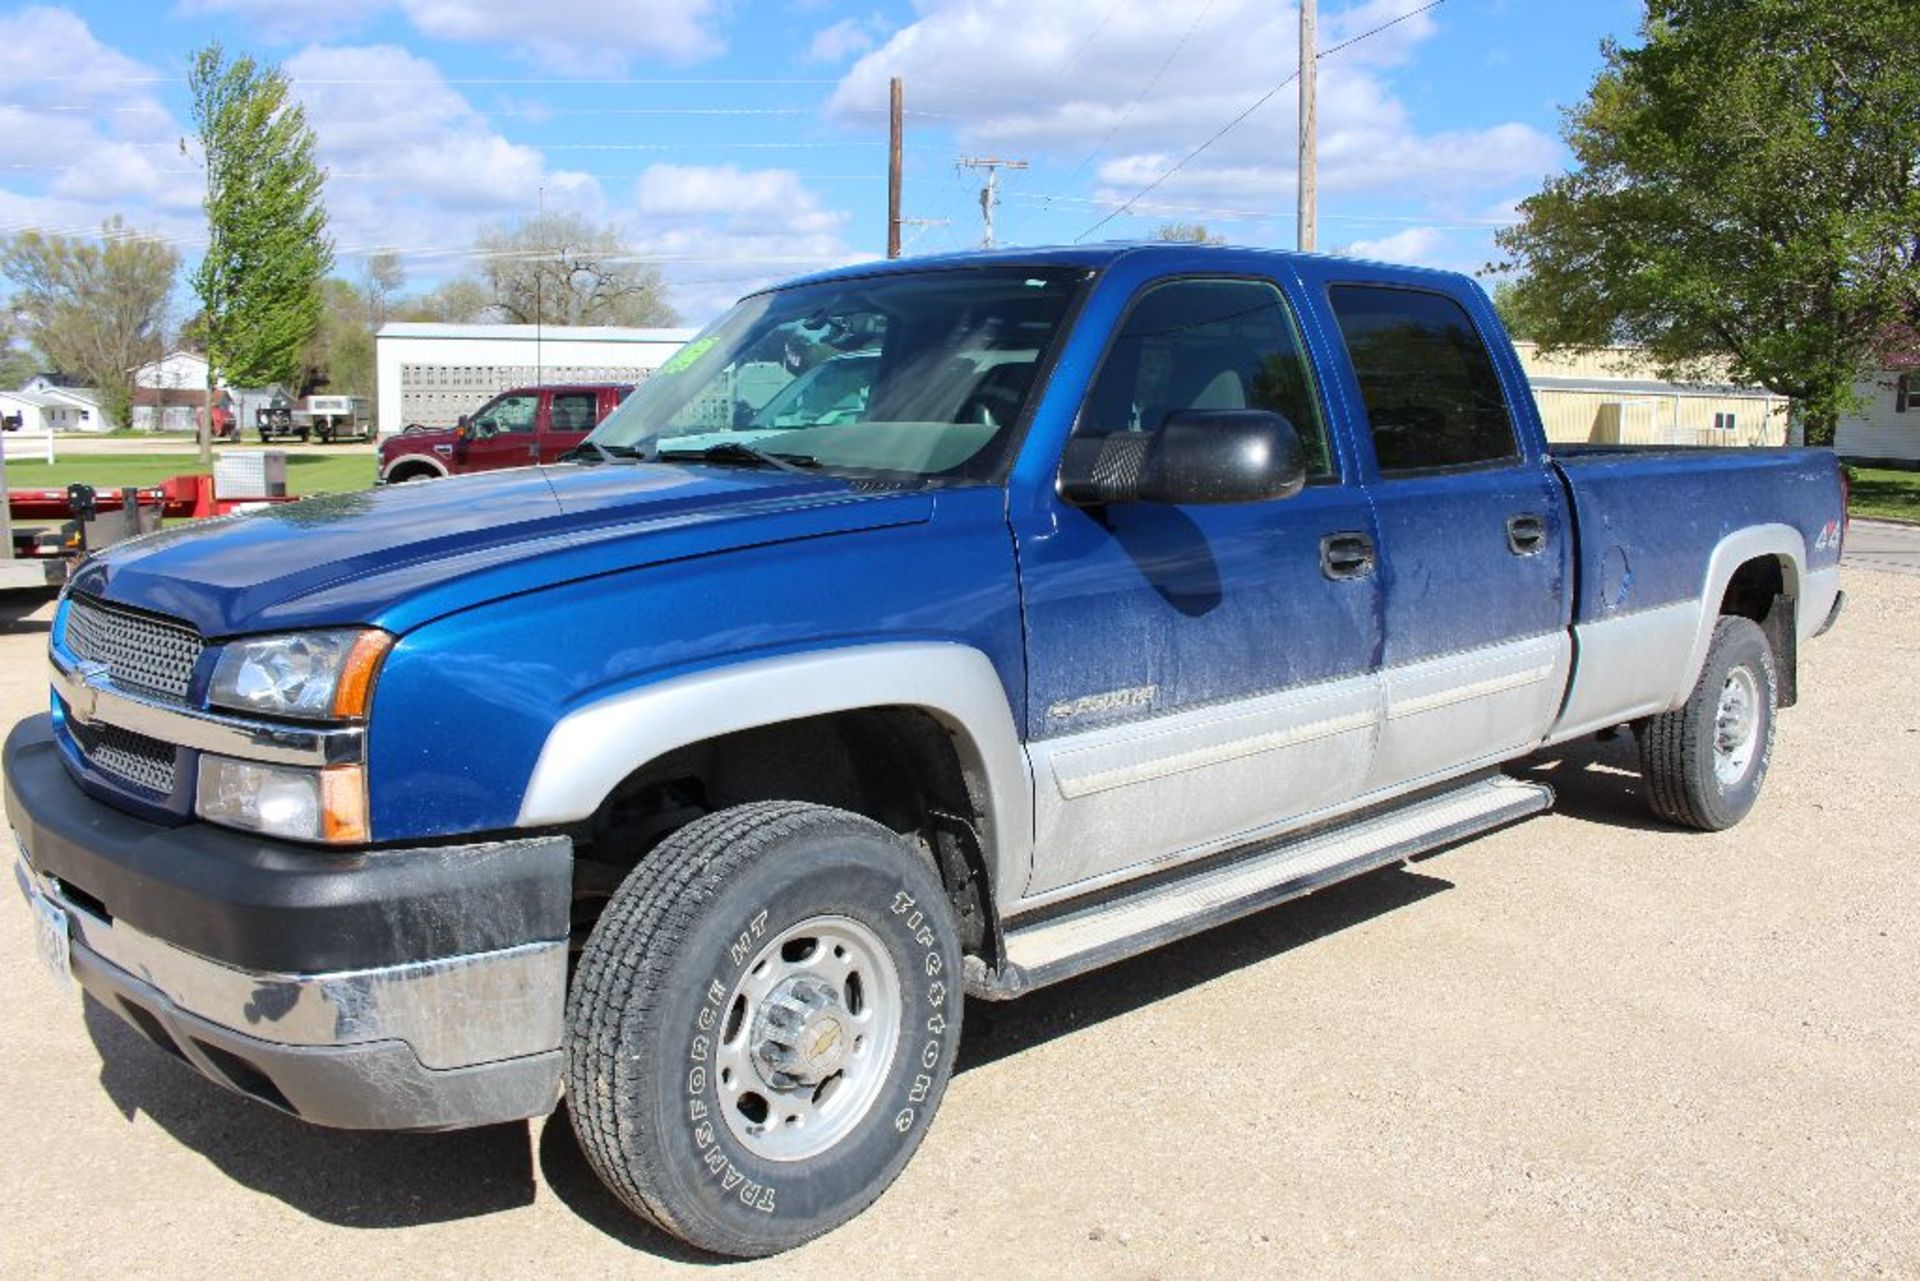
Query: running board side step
{"x": 1062, "y": 946}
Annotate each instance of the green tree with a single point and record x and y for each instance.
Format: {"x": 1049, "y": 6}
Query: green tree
{"x": 459, "y": 301}
{"x": 16, "y": 358}
{"x": 267, "y": 242}
{"x": 1507, "y": 300}
{"x": 96, "y": 308}
{"x": 340, "y": 355}
{"x": 1747, "y": 196}
{"x": 560, "y": 269}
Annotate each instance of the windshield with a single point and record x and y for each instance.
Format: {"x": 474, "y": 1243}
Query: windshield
{"x": 902, "y": 375}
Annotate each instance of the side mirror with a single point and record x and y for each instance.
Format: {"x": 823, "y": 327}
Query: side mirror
{"x": 1199, "y": 456}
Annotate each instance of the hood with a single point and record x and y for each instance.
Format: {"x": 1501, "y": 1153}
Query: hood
{"x": 413, "y": 442}
{"x": 401, "y": 555}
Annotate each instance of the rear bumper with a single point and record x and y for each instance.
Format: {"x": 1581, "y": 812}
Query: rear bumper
{"x": 399, "y": 989}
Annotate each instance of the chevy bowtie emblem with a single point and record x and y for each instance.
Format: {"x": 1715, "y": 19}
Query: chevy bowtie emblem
{"x": 85, "y": 694}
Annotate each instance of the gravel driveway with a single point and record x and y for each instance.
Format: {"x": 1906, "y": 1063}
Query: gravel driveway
{"x": 1586, "y": 1044}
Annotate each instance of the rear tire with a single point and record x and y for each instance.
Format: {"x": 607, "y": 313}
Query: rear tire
{"x": 762, "y": 1025}
{"x": 1705, "y": 761}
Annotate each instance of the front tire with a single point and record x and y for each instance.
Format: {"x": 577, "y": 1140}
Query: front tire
{"x": 1705, "y": 761}
{"x": 762, "y": 1025}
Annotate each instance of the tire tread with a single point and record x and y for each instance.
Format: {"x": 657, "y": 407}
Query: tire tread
{"x": 621, "y": 974}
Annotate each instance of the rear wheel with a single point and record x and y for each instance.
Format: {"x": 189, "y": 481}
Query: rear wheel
{"x": 762, "y": 1025}
{"x": 1705, "y": 762}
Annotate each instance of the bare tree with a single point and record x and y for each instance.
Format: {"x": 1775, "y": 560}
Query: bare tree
{"x": 93, "y": 308}
{"x": 560, "y": 269}
{"x": 381, "y": 280}
{"x": 1194, "y": 233}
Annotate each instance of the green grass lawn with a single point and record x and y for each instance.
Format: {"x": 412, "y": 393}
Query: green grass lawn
{"x": 1884, "y": 494}
{"x": 306, "y": 473}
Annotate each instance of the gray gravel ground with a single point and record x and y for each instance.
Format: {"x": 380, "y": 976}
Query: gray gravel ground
{"x": 1584, "y": 1045}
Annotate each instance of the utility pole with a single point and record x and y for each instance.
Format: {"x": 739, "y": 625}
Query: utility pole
{"x": 1309, "y": 179}
{"x": 895, "y": 128}
{"x": 990, "y": 192}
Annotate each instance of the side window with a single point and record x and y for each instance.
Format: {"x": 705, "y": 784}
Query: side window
{"x": 511, "y": 413}
{"x": 1432, "y": 397}
{"x": 1207, "y": 344}
{"x": 573, "y": 411}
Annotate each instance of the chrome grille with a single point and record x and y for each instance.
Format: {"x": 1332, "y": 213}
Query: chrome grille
{"x": 142, "y": 654}
{"x": 130, "y": 757}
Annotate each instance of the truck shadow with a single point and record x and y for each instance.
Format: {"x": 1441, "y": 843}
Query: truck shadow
{"x": 1595, "y": 781}
{"x": 995, "y": 1030}
{"x": 355, "y": 1179}
{"x": 379, "y": 1180}
{"x": 564, "y": 1169}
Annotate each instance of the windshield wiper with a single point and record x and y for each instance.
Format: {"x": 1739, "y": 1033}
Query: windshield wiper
{"x": 739, "y": 451}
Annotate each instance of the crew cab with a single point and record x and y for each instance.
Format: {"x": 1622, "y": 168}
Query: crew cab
{"x": 516, "y": 428}
{"x": 698, "y": 776}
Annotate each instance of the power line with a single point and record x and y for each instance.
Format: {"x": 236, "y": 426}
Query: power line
{"x": 429, "y": 81}
{"x": 1262, "y": 101}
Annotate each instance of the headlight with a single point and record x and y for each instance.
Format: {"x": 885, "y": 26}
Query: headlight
{"x": 313, "y": 675}
{"x": 327, "y": 805}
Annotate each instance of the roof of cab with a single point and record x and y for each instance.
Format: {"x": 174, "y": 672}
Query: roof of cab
{"x": 1179, "y": 255}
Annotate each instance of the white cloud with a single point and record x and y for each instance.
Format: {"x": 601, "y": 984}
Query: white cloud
{"x": 843, "y": 39}
{"x": 412, "y": 162}
{"x": 724, "y": 231}
{"x": 84, "y": 129}
{"x": 578, "y": 37}
{"x": 283, "y": 23}
{"x": 1416, "y": 246}
{"x": 1100, "y": 89}
{"x": 413, "y": 165}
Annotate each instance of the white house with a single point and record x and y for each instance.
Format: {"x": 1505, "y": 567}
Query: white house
{"x": 39, "y": 413}
{"x": 171, "y": 393}
{"x": 175, "y": 371}
{"x": 433, "y": 373}
{"x": 66, "y": 393}
{"x": 1888, "y": 429}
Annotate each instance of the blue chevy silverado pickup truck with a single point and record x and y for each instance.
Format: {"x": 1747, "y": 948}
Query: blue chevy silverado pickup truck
{"x": 699, "y": 777}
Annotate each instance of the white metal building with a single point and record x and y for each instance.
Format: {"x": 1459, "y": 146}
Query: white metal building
{"x": 1888, "y": 428}
{"x": 1615, "y": 396}
{"x": 432, "y": 373}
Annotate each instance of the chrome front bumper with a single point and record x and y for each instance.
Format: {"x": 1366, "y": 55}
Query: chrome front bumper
{"x": 441, "y": 1044}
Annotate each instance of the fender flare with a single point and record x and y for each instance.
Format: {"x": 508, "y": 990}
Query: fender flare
{"x": 404, "y": 459}
{"x": 1735, "y": 550}
{"x": 594, "y": 747}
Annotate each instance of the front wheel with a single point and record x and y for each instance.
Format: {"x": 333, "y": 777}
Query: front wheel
{"x": 1704, "y": 762}
{"x": 762, "y": 1025}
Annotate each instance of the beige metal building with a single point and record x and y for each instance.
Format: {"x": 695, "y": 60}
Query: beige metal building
{"x": 1614, "y": 396}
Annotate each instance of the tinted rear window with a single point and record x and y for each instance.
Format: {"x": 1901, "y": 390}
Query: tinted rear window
{"x": 1431, "y": 394}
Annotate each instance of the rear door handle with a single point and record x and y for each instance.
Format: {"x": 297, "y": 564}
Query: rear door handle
{"x": 1346, "y": 556}
{"x": 1526, "y": 533}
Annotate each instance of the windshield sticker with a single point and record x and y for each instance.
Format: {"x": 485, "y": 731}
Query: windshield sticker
{"x": 686, "y": 355}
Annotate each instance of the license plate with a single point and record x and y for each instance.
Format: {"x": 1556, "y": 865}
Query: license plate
{"x": 51, "y": 937}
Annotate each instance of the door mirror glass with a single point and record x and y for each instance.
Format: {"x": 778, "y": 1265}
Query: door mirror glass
{"x": 1198, "y": 457}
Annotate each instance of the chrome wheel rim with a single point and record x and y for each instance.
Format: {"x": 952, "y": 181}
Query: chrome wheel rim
{"x": 810, "y": 1032}
{"x": 1736, "y": 726}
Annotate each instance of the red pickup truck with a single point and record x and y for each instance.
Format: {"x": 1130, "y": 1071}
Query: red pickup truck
{"x": 516, "y": 428}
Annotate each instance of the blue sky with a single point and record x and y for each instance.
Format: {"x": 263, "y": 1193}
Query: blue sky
{"x": 738, "y": 143}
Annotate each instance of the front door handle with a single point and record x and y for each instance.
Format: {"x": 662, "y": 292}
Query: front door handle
{"x": 1348, "y": 555}
{"x": 1526, "y": 533}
